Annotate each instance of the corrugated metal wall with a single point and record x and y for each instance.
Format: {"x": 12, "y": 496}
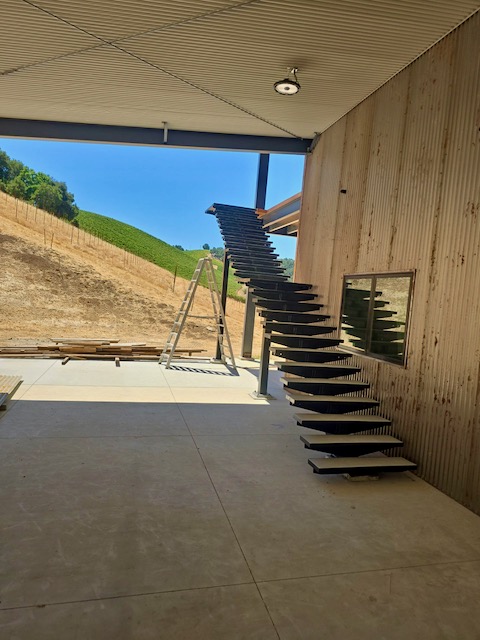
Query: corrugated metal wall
{"x": 409, "y": 158}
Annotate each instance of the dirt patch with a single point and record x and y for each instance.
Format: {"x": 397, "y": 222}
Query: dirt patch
{"x": 52, "y": 288}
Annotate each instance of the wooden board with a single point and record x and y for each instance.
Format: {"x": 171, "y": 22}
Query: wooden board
{"x": 9, "y": 384}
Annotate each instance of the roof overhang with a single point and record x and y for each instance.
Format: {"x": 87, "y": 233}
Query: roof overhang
{"x": 204, "y": 67}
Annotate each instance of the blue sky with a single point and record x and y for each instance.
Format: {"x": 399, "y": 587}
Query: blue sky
{"x": 162, "y": 191}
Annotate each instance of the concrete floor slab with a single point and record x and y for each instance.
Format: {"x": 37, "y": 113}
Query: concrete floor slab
{"x": 221, "y": 613}
{"x": 83, "y": 555}
{"x": 72, "y": 393}
{"x": 30, "y": 370}
{"x": 129, "y": 511}
{"x": 420, "y": 603}
{"x": 85, "y": 418}
{"x": 239, "y": 419}
{"x": 333, "y": 529}
{"x": 93, "y": 373}
{"x": 183, "y": 376}
{"x": 92, "y": 519}
{"x": 257, "y": 464}
{"x": 201, "y": 395}
{"x": 65, "y": 474}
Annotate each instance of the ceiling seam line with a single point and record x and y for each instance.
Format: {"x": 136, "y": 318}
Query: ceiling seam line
{"x": 165, "y": 71}
{"x": 207, "y": 92}
{"x": 124, "y": 38}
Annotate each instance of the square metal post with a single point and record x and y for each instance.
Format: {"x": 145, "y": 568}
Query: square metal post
{"x": 248, "y": 325}
{"x": 262, "y": 391}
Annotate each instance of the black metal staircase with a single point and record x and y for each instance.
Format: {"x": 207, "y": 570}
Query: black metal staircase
{"x": 317, "y": 373}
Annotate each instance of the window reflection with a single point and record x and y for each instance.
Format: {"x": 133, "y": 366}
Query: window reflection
{"x": 374, "y": 315}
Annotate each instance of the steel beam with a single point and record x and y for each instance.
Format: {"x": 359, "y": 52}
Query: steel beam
{"x": 115, "y": 134}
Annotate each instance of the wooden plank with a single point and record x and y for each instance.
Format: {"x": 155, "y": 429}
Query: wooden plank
{"x": 77, "y": 349}
{"x": 84, "y": 340}
{"x": 9, "y": 384}
{"x": 65, "y": 360}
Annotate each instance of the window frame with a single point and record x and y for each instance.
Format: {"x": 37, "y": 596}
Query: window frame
{"x": 370, "y": 317}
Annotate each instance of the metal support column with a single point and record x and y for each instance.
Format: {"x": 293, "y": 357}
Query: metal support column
{"x": 262, "y": 178}
{"x": 260, "y": 199}
{"x": 262, "y": 391}
{"x": 223, "y": 300}
{"x": 248, "y": 325}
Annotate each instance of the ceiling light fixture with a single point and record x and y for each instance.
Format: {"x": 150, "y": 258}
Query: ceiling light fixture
{"x": 290, "y": 85}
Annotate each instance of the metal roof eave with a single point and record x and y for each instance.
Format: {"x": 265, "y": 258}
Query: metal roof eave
{"x": 114, "y": 134}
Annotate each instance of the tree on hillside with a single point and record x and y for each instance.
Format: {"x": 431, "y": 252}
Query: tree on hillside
{"x": 16, "y": 167}
{"x": 217, "y": 252}
{"x": 36, "y": 187}
{"x": 288, "y": 264}
{"x": 67, "y": 208}
{"x": 206, "y": 247}
{"x": 48, "y": 197}
{"x": 17, "y": 188}
{"x": 4, "y": 168}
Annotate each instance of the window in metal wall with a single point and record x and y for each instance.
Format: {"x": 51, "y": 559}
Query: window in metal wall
{"x": 375, "y": 310}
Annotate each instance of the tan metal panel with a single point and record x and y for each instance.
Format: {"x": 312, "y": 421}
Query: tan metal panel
{"x": 126, "y": 62}
{"x": 353, "y": 181}
{"x": 411, "y": 167}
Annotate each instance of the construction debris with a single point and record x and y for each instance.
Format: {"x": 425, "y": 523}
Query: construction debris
{"x": 68, "y": 349}
{"x": 8, "y": 386}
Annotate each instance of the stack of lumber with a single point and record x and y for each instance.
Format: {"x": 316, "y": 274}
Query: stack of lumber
{"x": 8, "y": 386}
{"x": 89, "y": 349}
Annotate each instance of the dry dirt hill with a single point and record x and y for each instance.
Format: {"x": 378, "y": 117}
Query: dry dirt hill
{"x": 57, "y": 281}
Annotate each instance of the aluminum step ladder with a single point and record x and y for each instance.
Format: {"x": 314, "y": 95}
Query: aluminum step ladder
{"x": 223, "y": 337}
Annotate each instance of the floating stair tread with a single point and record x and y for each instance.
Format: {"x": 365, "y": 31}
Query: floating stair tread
{"x": 332, "y": 381}
{"x": 350, "y": 439}
{"x": 333, "y": 417}
{"x": 264, "y": 284}
{"x": 295, "y": 335}
{"x": 345, "y": 465}
{"x": 310, "y": 350}
{"x": 322, "y": 327}
{"x": 278, "y": 315}
{"x": 294, "y": 396}
{"x": 318, "y": 365}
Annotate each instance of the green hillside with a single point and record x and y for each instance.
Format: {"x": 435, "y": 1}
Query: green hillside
{"x": 150, "y": 248}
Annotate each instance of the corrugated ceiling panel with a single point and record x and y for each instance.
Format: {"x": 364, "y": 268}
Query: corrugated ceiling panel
{"x": 235, "y": 50}
{"x": 117, "y": 19}
{"x": 28, "y": 35}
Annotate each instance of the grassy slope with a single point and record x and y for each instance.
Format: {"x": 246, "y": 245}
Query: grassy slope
{"x": 150, "y": 248}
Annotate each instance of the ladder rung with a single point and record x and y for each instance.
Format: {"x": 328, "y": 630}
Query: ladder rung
{"x": 209, "y": 317}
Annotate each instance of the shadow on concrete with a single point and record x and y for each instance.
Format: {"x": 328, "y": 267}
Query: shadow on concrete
{"x": 231, "y": 371}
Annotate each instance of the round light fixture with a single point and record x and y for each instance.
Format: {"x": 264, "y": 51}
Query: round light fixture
{"x": 290, "y": 85}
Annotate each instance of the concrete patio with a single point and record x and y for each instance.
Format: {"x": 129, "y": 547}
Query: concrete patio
{"x": 140, "y": 503}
